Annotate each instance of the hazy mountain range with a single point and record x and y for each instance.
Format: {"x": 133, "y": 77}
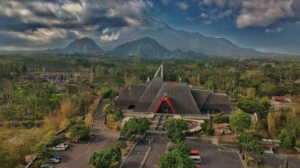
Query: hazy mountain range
{"x": 158, "y": 40}
{"x": 186, "y": 41}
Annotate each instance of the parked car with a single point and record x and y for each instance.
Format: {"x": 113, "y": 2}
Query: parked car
{"x": 59, "y": 148}
{"x": 46, "y": 166}
{"x": 195, "y": 155}
{"x": 56, "y": 157}
{"x": 62, "y": 145}
{"x": 52, "y": 160}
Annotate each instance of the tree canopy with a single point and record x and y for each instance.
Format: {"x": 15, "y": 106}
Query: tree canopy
{"x": 240, "y": 121}
{"x": 175, "y": 128}
{"x": 176, "y": 159}
{"x": 181, "y": 147}
{"x": 135, "y": 126}
{"x": 104, "y": 159}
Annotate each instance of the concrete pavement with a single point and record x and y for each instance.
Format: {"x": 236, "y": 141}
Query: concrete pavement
{"x": 77, "y": 156}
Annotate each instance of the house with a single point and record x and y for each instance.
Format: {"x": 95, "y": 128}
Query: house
{"x": 267, "y": 146}
{"x": 285, "y": 98}
{"x": 171, "y": 97}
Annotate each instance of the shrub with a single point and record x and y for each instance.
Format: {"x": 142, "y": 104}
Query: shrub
{"x": 210, "y": 130}
{"x": 219, "y": 118}
{"x": 135, "y": 126}
{"x": 203, "y": 126}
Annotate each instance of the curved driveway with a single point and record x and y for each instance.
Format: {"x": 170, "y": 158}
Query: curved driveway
{"x": 77, "y": 156}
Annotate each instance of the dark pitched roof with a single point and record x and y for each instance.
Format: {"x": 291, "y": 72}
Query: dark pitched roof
{"x": 137, "y": 91}
{"x": 200, "y": 96}
{"x": 125, "y": 99}
{"x": 152, "y": 90}
{"x": 218, "y": 101}
{"x": 181, "y": 97}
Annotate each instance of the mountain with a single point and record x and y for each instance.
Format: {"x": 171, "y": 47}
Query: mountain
{"x": 189, "y": 55}
{"x": 144, "y": 47}
{"x": 173, "y": 39}
{"x": 177, "y": 51}
{"x": 84, "y": 45}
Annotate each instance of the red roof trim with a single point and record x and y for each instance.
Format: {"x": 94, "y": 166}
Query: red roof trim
{"x": 167, "y": 100}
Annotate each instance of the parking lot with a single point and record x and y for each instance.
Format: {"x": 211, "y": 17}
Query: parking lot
{"x": 213, "y": 158}
{"x": 158, "y": 145}
{"x": 274, "y": 161}
{"x": 77, "y": 155}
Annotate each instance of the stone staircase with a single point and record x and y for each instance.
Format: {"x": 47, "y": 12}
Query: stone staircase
{"x": 158, "y": 123}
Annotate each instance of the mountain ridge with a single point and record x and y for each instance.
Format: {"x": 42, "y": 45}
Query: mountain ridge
{"x": 172, "y": 39}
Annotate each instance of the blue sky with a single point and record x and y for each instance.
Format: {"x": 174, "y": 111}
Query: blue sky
{"x": 266, "y": 25}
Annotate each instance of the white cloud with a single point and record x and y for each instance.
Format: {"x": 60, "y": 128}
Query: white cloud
{"x": 255, "y": 13}
{"x": 276, "y": 30}
{"x": 204, "y": 15}
{"x": 183, "y": 5}
{"x": 73, "y": 7}
{"x": 261, "y": 13}
{"x": 108, "y": 35}
{"x": 298, "y": 22}
{"x": 40, "y": 36}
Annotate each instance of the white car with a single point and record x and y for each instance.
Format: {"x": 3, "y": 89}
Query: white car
{"x": 52, "y": 160}
{"x": 62, "y": 145}
{"x": 59, "y": 148}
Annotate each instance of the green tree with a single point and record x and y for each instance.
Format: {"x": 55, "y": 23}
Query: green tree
{"x": 176, "y": 159}
{"x": 181, "y": 147}
{"x": 175, "y": 128}
{"x": 251, "y": 105}
{"x": 135, "y": 126}
{"x": 220, "y": 118}
{"x": 286, "y": 139}
{"x": 240, "y": 121}
{"x": 105, "y": 158}
{"x": 78, "y": 130}
{"x": 210, "y": 130}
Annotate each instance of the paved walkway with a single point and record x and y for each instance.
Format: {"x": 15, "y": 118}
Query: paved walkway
{"x": 77, "y": 156}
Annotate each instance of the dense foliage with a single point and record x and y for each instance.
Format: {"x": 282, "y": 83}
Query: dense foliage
{"x": 240, "y": 121}
{"x": 175, "y": 128}
{"x": 219, "y": 118}
{"x": 181, "y": 147}
{"x": 135, "y": 126}
{"x": 176, "y": 159}
{"x": 37, "y": 106}
{"x": 104, "y": 159}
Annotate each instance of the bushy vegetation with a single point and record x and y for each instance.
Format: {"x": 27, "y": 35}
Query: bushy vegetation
{"x": 240, "y": 121}
{"x": 78, "y": 130}
{"x": 252, "y": 105}
{"x": 135, "y": 126}
{"x": 37, "y": 106}
{"x": 181, "y": 147}
{"x": 207, "y": 129}
{"x": 219, "y": 118}
{"x": 175, "y": 128}
{"x": 104, "y": 159}
{"x": 176, "y": 159}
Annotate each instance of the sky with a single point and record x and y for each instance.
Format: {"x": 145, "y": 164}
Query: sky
{"x": 265, "y": 25}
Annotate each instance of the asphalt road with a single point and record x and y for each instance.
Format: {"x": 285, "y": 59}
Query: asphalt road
{"x": 275, "y": 161}
{"x": 158, "y": 145}
{"x": 77, "y": 156}
{"x": 213, "y": 158}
